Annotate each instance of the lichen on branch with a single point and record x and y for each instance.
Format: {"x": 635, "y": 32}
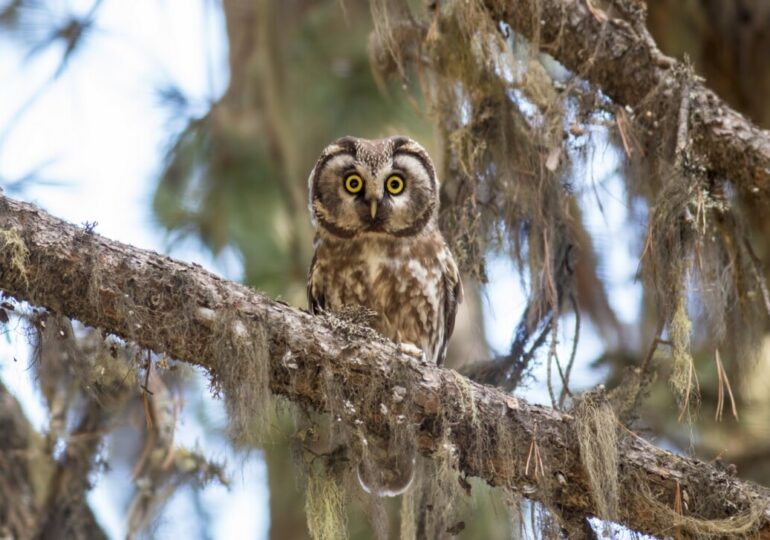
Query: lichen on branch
{"x": 161, "y": 289}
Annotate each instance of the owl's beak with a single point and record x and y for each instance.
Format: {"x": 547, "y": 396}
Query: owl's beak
{"x": 373, "y": 208}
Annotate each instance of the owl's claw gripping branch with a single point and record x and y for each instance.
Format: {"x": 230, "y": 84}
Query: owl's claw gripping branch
{"x": 152, "y": 300}
{"x": 411, "y": 350}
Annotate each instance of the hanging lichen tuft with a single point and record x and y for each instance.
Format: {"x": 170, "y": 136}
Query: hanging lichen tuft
{"x": 596, "y": 428}
{"x": 683, "y": 377}
{"x": 325, "y": 507}
{"x": 13, "y": 249}
{"x": 242, "y": 372}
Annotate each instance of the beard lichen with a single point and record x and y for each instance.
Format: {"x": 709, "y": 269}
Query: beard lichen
{"x": 16, "y": 251}
{"x": 325, "y": 506}
{"x": 683, "y": 519}
{"x": 596, "y": 429}
{"x": 683, "y": 378}
{"x": 434, "y": 498}
{"x": 242, "y": 369}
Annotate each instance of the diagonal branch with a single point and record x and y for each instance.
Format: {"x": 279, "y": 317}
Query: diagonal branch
{"x": 621, "y": 59}
{"x": 182, "y": 310}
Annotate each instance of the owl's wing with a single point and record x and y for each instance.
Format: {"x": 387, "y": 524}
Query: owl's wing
{"x": 453, "y": 296}
{"x": 316, "y": 301}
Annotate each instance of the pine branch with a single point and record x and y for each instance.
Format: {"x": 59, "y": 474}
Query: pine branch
{"x": 619, "y": 56}
{"x": 182, "y": 310}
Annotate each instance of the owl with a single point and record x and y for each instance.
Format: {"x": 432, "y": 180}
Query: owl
{"x": 374, "y": 205}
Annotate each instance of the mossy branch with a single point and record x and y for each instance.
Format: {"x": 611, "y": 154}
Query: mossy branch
{"x": 193, "y": 315}
{"x": 614, "y": 51}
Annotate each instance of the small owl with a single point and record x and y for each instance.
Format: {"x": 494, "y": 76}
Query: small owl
{"x": 375, "y": 206}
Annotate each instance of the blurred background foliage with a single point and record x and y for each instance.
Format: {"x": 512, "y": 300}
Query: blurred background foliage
{"x": 234, "y": 177}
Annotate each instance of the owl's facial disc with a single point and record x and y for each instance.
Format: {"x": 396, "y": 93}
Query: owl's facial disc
{"x": 386, "y": 186}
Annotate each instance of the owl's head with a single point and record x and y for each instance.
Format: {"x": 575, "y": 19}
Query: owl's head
{"x": 384, "y": 186}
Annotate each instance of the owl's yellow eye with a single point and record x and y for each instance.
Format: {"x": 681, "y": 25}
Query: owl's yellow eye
{"x": 394, "y": 184}
{"x": 353, "y": 183}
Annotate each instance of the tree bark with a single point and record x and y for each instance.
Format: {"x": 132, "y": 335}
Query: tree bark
{"x": 177, "y": 308}
{"x": 622, "y": 60}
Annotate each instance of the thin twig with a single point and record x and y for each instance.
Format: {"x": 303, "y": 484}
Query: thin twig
{"x": 686, "y": 404}
{"x": 565, "y": 391}
{"x": 722, "y": 382}
{"x": 534, "y": 452}
{"x": 513, "y": 381}
{"x": 552, "y": 354}
{"x": 682, "y": 141}
{"x": 653, "y": 347}
{"x": 623, "y": 137}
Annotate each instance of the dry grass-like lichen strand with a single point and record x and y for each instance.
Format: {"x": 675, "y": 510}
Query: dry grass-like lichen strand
{"x": 596, "y": 429}
{"x": 242, "y": 371}
{"x": 494, "y": 447}
{"x": 16, "y": 251}
{"x": 670, "y": 246}
{"x": 436, "y": 493}
{"x": 742, "y": 525}
{"x": 409, "y": 515}
{"x": 670, "y": 241}
{"x": 325, "y": 507}
{"x": 683, "y": 377}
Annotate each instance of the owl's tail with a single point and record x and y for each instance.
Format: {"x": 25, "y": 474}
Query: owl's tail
{"x": 387, "y": 472}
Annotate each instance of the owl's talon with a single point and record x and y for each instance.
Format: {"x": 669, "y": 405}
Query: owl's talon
{"x": 412, "y": 350}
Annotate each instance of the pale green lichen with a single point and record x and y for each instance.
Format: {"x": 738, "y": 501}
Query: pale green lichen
{"x": 14, "y": 248}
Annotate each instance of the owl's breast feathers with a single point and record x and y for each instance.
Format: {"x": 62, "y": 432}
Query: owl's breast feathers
{"x": 412, "y": 283}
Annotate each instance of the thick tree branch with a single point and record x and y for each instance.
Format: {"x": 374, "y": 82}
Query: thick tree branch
{"x": 622, "y": 60}
{"x": 183, "y": 310}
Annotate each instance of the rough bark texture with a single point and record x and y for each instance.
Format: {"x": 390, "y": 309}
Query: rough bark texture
{"x": 173, "y": 307}
{"x": 620, "y": 58}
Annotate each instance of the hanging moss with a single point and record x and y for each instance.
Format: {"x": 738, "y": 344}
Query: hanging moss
{"x": 596, "y": 428}
{"x": 684, "y": 522}
{"x": 325, "y": 507}
{"x": 243, "y": 374}
{"x": 12, "y": 243}
{"x": 683, "y": 378}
